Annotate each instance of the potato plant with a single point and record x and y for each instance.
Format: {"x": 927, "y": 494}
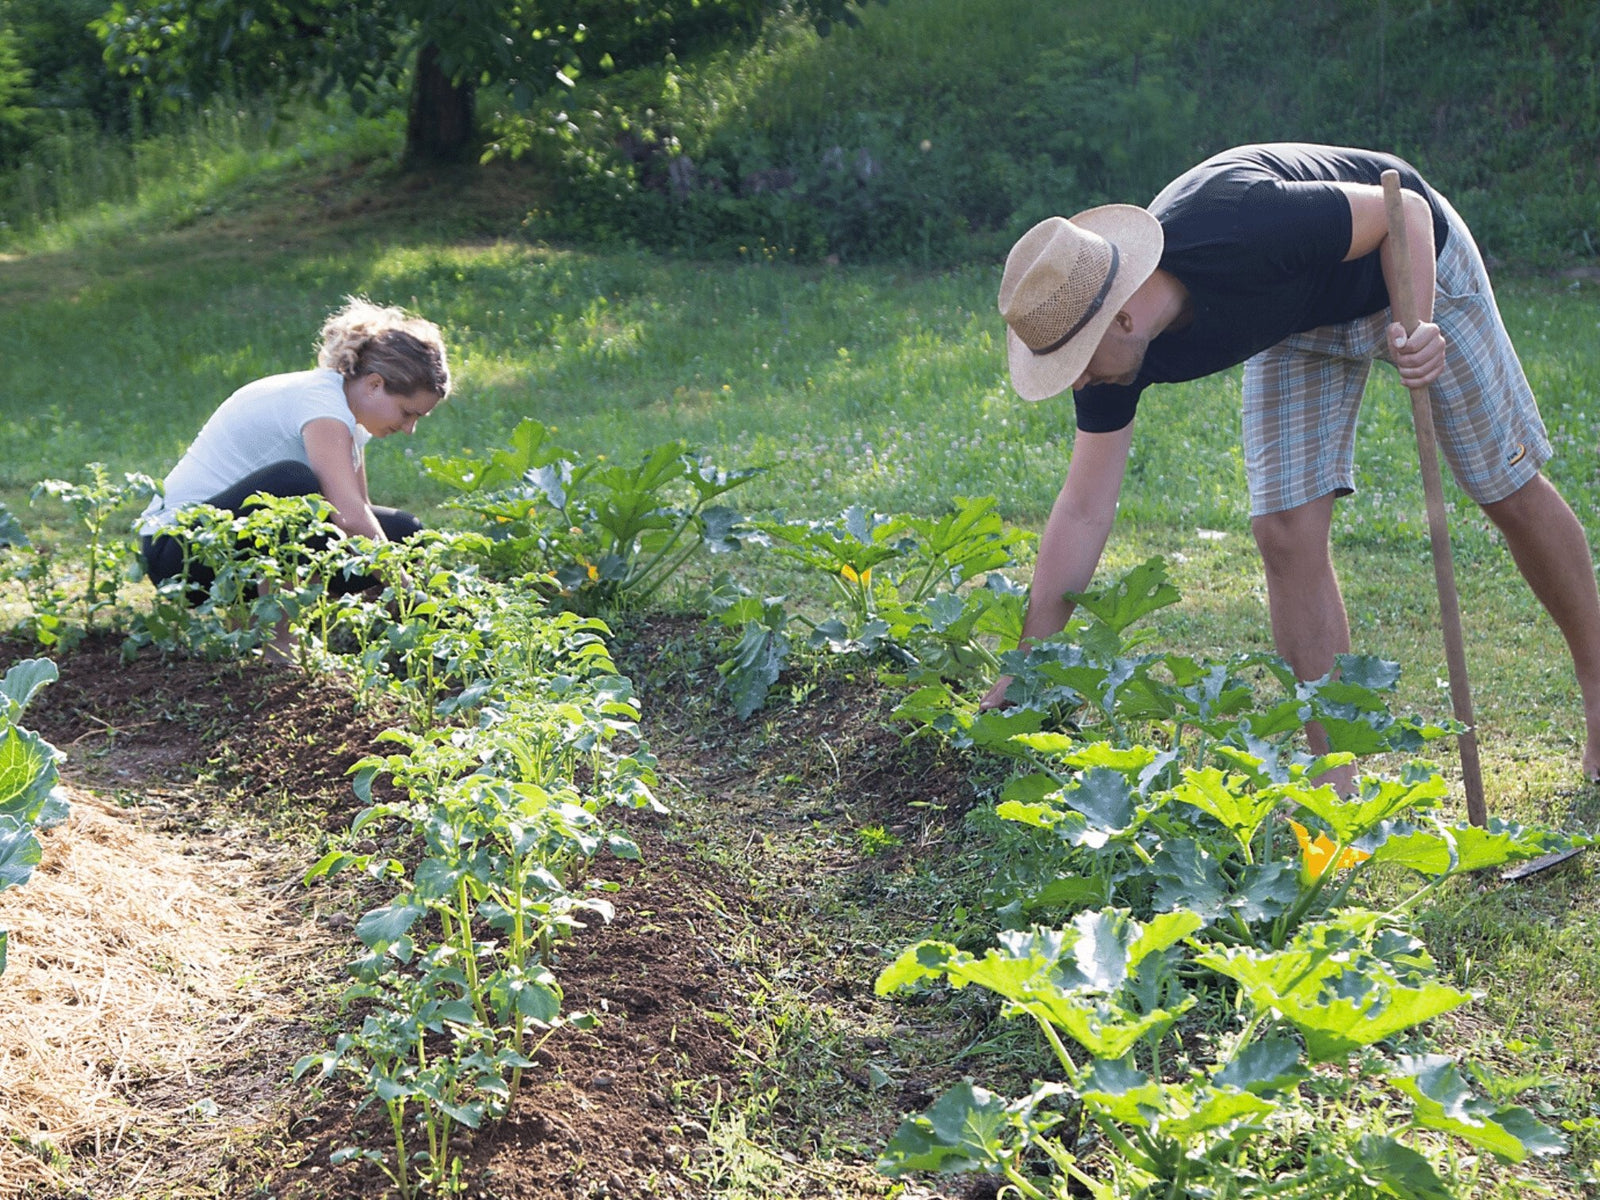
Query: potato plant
{"x": 81, "y": 578}
{"x": 490, "y": 852}
{"x": 242, "y": 575}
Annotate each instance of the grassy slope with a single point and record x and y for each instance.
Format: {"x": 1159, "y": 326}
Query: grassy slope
{"x": 943, "y": 128}
{"x": 856, "y": 385}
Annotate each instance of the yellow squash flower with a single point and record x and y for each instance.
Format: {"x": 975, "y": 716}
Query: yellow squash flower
{"x": 1317, "y": 856}
{"x": 849, "y": 573}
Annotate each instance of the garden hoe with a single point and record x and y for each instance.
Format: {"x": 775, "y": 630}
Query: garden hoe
{"x": 1404, "y": 306}
{"x": 1405, "y": 311}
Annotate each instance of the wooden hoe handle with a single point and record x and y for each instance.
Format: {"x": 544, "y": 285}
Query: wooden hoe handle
{"x": 1404, "y": 306}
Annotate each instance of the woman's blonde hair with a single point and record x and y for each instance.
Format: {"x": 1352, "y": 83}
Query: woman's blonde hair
{"x": 406, "y": 351}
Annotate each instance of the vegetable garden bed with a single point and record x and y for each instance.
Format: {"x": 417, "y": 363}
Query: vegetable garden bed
{"x": 784, "y": 980}
{"x": 236, "y": 770}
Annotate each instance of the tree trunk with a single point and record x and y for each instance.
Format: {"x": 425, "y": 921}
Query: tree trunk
{"x": 442, "y": 127}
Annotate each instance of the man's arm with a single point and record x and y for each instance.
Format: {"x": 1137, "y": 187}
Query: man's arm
{"x": 1419, "y": 357}
{"x": 1074, "y": 536}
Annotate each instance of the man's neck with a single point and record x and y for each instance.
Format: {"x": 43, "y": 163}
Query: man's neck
{"x": 1161, "y": 305}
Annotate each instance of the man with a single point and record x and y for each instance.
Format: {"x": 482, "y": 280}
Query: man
{"x": 1277, "y": 256}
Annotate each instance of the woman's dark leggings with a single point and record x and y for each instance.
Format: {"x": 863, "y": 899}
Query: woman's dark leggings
{"x": 163, "y": 554}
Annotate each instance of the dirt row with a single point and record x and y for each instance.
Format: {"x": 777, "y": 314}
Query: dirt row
{"x": 739, "y": 1049}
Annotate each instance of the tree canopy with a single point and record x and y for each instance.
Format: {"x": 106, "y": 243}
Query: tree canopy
{"x": 444, "y": 50}
{"x": 15, "y": 92}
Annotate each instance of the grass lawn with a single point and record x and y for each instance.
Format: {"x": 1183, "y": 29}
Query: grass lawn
{"x": 874, "y": 386}
{"x": 879, "y": 387}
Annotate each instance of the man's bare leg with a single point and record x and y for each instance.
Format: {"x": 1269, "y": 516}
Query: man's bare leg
{"x": 1549, "y": 546}
{"x": 1309, "y": 624}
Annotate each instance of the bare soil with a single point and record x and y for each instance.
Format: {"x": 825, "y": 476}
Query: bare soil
{"x": 739, "y": 1045}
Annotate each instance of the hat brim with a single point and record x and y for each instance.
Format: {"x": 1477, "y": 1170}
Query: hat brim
{"x": 1138, "y": 238}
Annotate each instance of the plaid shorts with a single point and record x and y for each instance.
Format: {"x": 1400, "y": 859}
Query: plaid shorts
{"x": 1301, "y": 397}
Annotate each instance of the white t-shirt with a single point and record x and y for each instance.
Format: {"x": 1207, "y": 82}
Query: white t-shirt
{"x": 260, "y": 424}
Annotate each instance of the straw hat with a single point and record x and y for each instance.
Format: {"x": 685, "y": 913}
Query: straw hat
{"x": 1064, "y": 282}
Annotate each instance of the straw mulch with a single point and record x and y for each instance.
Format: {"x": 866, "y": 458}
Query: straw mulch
{"x": 147, "y": 1014}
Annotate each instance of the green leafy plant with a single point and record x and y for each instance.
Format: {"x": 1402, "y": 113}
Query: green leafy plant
{"x": 419, "y": 636}
{"x": 1162, "y": 794}
{"x": 1109, "y": 986}
{"x": 492, "y": 836}
{"x": 78, "y": 578}
{"x": 261, "y": 568}
{"x": 421, "y": 1052}
{"x": 607, "y": 535}
{"x": 1095, "y": 680}
{"x": 906, "y": 588}
{"x": 28, "y": 795}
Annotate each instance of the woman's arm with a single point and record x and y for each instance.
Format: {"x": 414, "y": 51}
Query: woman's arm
{"x": 330, "y": 449}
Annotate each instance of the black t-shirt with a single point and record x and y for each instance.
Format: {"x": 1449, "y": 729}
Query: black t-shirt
{"x": 1257, "y": 235}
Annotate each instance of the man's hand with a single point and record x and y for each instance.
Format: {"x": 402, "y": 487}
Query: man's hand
{"x": 995, "y": 697}
{"x": 1419, "y": 357}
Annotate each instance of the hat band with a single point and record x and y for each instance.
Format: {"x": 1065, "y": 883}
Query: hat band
{"x": 1088, "y": 313}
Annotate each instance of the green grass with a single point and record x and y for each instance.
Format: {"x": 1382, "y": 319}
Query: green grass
{"x": 873, "y": 386}
{"x": 854, "y": 385}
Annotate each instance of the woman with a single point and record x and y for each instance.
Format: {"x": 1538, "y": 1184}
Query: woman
{"x": 379, "y": 371}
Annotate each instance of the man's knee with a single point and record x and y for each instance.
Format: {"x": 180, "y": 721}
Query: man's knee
{"x": 1527, "y": 501}
{"x": 1290, "y": 539}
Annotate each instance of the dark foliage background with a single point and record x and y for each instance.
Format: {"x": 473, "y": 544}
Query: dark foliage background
{"x": 932, "y": 131}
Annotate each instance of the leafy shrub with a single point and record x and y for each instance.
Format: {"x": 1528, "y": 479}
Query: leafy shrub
{"x": 942, "y": 128}
{"x": 15, "y": 93}
{"x": 906, "y": 590}
{"x": 605, "y": 535}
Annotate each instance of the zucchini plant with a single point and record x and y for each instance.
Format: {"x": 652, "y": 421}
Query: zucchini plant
{"x": 1198, "y": 862}
{"x": 29, "y": 798}
{"x": 906, "y": 588}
